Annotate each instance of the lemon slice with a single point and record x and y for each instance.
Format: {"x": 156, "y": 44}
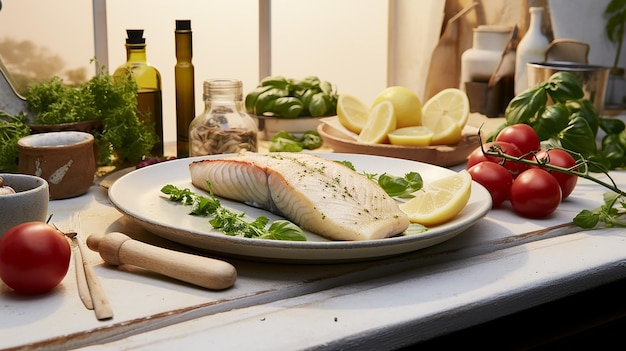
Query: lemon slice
{"x": 439, "y": 201}
{"x": 380, "y": 121}
{"x": 450, "y": 102}
{"x": 352, "y": 112}
{"x": 411, "y": 136}
{"x": 445, "y": 130}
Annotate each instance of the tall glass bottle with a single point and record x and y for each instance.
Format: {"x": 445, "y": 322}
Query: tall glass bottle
{"x": 148, "y": 81}
{"x": 224, "y": 126}
{"x": 532, "y": 48}
{"x": 184, "y": 80}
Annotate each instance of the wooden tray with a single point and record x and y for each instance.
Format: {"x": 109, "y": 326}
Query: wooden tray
{"x": 341, "y": 140}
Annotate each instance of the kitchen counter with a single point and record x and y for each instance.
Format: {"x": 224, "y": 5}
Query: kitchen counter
{"x": 501, "y": 265}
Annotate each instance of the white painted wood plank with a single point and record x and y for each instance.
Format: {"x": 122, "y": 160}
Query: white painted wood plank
{"x": 407, "y": 307}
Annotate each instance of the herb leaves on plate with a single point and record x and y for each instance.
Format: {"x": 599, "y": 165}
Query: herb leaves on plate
{"x": 231, "y": 223}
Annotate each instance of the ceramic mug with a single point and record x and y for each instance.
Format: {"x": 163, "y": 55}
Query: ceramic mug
{"x": 28, "y": 203}
{"x": 65, "y": 159}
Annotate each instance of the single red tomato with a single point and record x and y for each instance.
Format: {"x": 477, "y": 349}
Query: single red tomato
{"x": 563, "y": 159}
{"x": 535, "y": 194}
{"x": 521, "y": 135}
{"x": 495, "y": 178}
{"x": 477, "y": 156}
{"x": 34, "y": 257}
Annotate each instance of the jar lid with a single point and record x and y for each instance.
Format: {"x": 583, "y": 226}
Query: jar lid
{"x": 493, "y": 28}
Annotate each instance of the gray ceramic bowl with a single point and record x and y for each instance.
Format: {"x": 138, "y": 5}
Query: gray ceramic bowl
{"x": 29, "y": 203}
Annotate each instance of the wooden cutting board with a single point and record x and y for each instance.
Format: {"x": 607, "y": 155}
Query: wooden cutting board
{"x": 444, "y": 72}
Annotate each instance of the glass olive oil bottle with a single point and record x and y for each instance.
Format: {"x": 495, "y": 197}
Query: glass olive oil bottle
{"x": 184, "y": 80}
{"x": 148, "y": 81}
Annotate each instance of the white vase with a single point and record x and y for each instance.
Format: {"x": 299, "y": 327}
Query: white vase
{"x": 532, "y": 48}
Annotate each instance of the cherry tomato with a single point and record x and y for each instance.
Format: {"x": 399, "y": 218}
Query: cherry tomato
{"x": 34, "y": 257}
{"x": 560, "y": 158}
{"x": 477, "y": 156}
{"x": 495, "y": 178}
{"x": 521, "y": 135}
{"x": 535, "y": 193}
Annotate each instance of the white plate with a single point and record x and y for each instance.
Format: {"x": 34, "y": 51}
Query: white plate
{"x": 138, "y": 195}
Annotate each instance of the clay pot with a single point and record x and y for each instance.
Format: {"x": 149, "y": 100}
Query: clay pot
{"x": 64, "y": 159}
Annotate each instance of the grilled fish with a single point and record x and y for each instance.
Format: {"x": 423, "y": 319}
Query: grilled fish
{"x": 320, "y": 195}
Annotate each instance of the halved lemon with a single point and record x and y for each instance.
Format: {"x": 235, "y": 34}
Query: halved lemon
{"x": 380, "y": 121}
{"x": 411, "y": 136}
{"x": 439, "y": 201}
{"x": 450, "y": 102}
{"x": 352, "y": 112}
{"x": 405, "y": 102}
{"x": 445, "y": 130}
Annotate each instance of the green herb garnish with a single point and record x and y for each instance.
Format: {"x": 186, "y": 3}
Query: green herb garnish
{"x": 609, "y": 213}
{"x": 394, "y": 186}
{"x": 229, "y": 222}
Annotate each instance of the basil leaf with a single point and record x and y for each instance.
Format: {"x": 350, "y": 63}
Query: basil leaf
{"x": 284, "y": 230}
{"x": 551, "y": 121}
{"x": 584, "y": 108}
{"x": 284, "y": 145}
{"x": 587, "y": 219}
{"x": 525, "y": 106}
{"x": 311, "y": 140}
{"x": 278, "y": 82}
{"x": 612, "y": 125}
{"x": 262, "y": 103}
{"x": 563, "y": 86}
{"x": 578, "y": 137}
{"x": 253, "y": 96}
{"x": 288, "y": 106}
{"x": 318, "y": 105}
{"x": 612, "y": 150}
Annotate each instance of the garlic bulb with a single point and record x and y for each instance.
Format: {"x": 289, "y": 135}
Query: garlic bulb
{"x": 5, "y": 189}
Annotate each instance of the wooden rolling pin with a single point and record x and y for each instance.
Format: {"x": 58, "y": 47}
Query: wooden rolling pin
{"x": 117, "y": 249}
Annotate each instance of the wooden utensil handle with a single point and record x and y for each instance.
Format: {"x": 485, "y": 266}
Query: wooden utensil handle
{"x": 117, "y": 248}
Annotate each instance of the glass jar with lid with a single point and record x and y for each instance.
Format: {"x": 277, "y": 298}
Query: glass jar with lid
{"x": 224, "y": 126}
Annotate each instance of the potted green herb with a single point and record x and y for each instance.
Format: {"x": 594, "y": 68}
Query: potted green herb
{"x": 615, "y": 13}
{"x": 616, "y": 20}
{"x": 105, "y": 106}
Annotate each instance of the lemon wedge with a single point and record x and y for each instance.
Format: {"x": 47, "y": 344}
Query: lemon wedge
{"x": 439, "y": 201}
{"x": 352, "y": 112}
{"x": 380, "y": 121}
{"x": 411, "y": 136}
{"x": 450, "y": 102}
{"x": 445, "y": 130}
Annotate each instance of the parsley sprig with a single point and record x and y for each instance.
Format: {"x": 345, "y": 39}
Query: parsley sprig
{"x": 229, "y": 222}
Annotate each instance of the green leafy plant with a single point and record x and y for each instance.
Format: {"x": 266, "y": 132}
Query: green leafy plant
{"x": 12, "y": 128}
{"x": 562, "y": 117}
{"x": 616, "y": 21}
{"x": 125, "y": 135}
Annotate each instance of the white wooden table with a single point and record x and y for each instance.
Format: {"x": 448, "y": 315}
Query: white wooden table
{"x": 493, "y": 269}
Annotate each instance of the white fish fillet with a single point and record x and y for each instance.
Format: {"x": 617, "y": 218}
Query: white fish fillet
{"x": 319, "y": 195}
